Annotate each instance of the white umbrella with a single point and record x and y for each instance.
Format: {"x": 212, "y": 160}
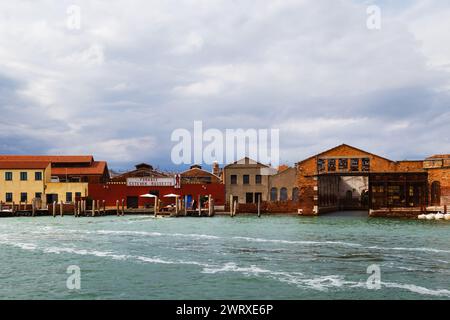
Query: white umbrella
{"x": 171, "y": 195}
{"x": 148, "y": 195}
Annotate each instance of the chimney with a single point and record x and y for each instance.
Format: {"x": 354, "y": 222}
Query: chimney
{"x": 215, "y": 169}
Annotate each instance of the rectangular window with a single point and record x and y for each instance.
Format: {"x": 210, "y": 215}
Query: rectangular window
{"x": 77, "y": 195}
{"x": 332, "y": 165}
{"x": 258, "y": 196}
{"x": 365, "y": 164}
{"x": 354, "y": 165}
{"x": 23, "y": 197}
{"x": 38, "y": 195}
{"x": 343, "y": 164}
{"x": 233, "y": 179}
{"x": 258, "y": 179}
{"x": 249, "y": 197}
{"x": 23, "y": 176}
{"x": 68, "y": 196}
{"x": 38, "y": 176}
{"x": 8, "y": 176}
{"x": 321, "y": 165}
{"x": 9, "y": 197}
{"x": 246, "y": 179}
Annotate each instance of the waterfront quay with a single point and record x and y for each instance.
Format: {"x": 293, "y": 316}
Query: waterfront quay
{"x": 341, "y": 178}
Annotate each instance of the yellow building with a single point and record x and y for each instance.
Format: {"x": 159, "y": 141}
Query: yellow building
{"x": 23, "y": 181}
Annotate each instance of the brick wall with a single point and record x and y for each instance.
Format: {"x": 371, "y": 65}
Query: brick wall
{"x": 443, "y": 176}
{"x": 266, "y": 207}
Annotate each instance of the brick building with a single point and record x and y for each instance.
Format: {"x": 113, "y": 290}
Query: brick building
{"x": 438, "y": 169}
{"x": 348, "y": 176}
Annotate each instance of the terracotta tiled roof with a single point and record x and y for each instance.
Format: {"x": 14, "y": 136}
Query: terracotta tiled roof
{"x": 24, "y": 164}
{"x": 48, "y": 158}
{"x": 97, "y": 168}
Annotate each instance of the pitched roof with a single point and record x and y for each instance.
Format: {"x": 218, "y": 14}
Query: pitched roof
{"x": 343, "y": 145}
{"x": 96, "y": 168}
{"x": 24, "y": 164}
{"x": 197, "y": 172}
{"x": 48, "y": 158}
{"x": 250, "y": 162}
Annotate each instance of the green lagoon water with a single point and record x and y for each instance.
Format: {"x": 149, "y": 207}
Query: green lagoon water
{"x": 272, "y": 257}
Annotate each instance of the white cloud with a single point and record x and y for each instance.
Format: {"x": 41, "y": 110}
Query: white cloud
{"x": 136, "y": 70}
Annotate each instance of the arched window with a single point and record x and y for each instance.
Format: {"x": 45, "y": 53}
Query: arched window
{"x": 273, "y": 194}
{"x": 295, "y": 194}
{"x": 283, "y": 194}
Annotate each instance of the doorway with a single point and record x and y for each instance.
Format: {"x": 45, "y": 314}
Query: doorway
{"x": 436, "y": 193}
{"x": 132, "y": 202}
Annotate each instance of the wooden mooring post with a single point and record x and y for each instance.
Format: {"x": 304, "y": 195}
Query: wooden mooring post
{"x": 123, "y": 207}
{"x": 156, "y": 207}
{"x": 259, "y": 207}
{"x": 231, "y": 205}
{"x": 54, "y": 209}
{"x": 209, "y": 206}
{"x": 117, "y": 208}
{"x": 61, "y": 209}
{"x": 93, "y": 208}
{"x": 33, "y": 207}
{"x": 234, "y": 208}
{"x": 104, "y": 207}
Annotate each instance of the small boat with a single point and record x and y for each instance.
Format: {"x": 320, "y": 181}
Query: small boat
{"x": 430, "y": 216}
{"x": 422, "y": 216}
{"x": 447, "y": 216}
{"x": 439, "y": 216}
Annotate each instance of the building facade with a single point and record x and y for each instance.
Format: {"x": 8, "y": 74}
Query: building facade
{"x": 346, "y": 177}
{"x": 190, "y": 185}
{"x": 246, "y": 181}
{"x": 21, "y": 182}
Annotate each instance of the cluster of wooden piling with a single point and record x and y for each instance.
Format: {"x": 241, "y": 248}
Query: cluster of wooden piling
{"x": 81, "y": 208}
{"x": 234, "y": 206}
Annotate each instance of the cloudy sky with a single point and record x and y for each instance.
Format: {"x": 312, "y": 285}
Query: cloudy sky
{"x": 136, "y": 70}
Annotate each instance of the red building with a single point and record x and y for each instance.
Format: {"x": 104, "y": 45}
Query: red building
{"x": 190, "y": 185}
